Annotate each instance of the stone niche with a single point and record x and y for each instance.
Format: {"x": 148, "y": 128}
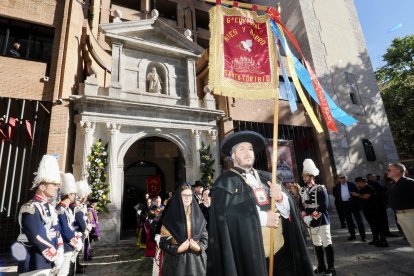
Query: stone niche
{"x": 152, "y": 62}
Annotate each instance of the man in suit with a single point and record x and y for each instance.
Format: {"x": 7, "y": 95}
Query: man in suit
{"x": 350, "y": 206}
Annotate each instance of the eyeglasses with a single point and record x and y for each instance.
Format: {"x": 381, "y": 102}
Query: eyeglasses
{"x": 186, "y": 196}
{"x": 341, "y": 177}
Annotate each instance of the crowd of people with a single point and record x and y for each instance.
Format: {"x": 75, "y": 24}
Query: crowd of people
{"x": 53, "y": 239}
{"x": 243, "y": 224}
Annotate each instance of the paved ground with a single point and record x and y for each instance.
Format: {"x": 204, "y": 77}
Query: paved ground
{"x": 352, "y": 258}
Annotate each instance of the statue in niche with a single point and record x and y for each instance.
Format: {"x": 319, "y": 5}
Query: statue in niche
{"x": 154, "y": 81}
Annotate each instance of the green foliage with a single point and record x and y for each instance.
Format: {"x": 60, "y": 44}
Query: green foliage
{"x": 97, "y": 175}
{"x": 396, "y": 81}
{"x": 207, "y": 164}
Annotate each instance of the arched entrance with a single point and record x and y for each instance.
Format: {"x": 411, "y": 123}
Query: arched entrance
{"x": 148, "y": 159}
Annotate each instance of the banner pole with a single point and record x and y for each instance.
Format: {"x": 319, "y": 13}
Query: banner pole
{"x": 274, "y": 174}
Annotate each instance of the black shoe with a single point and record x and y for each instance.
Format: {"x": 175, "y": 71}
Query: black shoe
{"x": 319, "y": 270}
{"x": 330, "y": 272}
{"x": 351, "y": 238}
{"x": 382, "y": 244}
{"x": 374, "y": 242}
{"x": 363, "y": 239}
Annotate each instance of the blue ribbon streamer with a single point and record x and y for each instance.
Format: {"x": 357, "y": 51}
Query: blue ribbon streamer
{"x": 306, "y": 81}
{"x": 288, "y": 86}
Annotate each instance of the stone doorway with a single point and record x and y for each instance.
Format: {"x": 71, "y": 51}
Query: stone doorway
{"x": 146, "y": 158}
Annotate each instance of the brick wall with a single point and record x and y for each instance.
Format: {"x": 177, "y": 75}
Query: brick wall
{"x": 24, "y": 79}
{"x": 40, "y": 11}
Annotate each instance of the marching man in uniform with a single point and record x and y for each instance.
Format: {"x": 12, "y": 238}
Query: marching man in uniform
{"x": 80, "y": 211}
{"x": 66, "y": 217}
{"x": 39, "y": 235}
{"x": 315, "y": 214}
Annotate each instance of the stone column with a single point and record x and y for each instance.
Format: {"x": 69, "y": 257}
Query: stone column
{"x": 212, "y": 139}
{"x": 191, "y": 78}
{"x": 115, "y": 87}
{"x": 84, "y": 137}
{"x": 195, "y": 138}
{"x": 113, "y": 131}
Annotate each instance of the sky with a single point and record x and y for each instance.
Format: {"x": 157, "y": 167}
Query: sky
{"x": 382, "y": 21}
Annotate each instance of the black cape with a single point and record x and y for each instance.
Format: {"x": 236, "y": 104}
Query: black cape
{"x": 235, "y": 237}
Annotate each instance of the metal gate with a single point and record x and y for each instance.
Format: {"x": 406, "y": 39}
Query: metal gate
{"x": 303, "y": 142}
{"x": 24, "y": 130}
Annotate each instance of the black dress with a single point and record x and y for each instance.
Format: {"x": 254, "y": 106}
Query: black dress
{"x": 177, "y": 227}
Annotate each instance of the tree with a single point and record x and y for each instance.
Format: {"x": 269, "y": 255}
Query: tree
{"x": 97, "y": 175}
{"x": 207, "y": 165}
{"x": 396, "y": 82}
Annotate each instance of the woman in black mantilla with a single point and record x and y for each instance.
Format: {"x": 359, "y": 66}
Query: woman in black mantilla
{"x": 184, "y": 236}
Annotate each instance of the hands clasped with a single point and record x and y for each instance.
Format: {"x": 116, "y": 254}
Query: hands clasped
{"x": 189, "y": 244}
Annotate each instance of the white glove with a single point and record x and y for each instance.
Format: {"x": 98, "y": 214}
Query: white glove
{"x": 59, "y": 257}
{"x": 79, "y": 245}
{"x": 157, "y": 239}
{"x": 307, "y": 220}
{"x": 89, "y": 227}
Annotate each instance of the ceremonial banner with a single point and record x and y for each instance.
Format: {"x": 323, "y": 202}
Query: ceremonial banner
{"x": 243, "y": 58}
{"x": 153, "y": 185}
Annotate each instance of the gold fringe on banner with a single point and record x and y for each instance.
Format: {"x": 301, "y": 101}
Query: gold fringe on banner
{"x": 227, "y": 86}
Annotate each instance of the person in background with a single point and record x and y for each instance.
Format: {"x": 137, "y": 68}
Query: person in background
{"x": 294, "y": 189}
{"x": 169, "y": 196}
{"x": 315, "y": 203}
{"x": 401, "y": 197}
{"x": 350, "y": 206}
{"x": 338, "y": 205}
{"x": 154, "y": 215}
{"x": 71, "y": 238}
{"x": 198, "y": 191}
{"x": 184, "y": 236}
{"x": 370, "y": 207}
{"x": 205, "y": 204}
{"x": 80, "y": 209}
{"x": 382, "y": 198}
{"x": 95, "y": 232}
{"x": 16, "y": 50}
{"x": 39, "y": 235}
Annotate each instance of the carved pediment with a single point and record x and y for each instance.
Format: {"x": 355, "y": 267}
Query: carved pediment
{"x": 151, "y": 34}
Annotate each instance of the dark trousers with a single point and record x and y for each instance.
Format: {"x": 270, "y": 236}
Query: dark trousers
{"x": 350, "y": 210}
{"x": 373, "y": 217}
{"x": 340, "y": 212}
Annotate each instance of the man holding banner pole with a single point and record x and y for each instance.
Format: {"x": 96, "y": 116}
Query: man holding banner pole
{"x": 241, "y": 218}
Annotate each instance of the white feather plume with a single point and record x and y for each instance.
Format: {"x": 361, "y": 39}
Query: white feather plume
{"x": 68, "y": 184}
{"x": 47, "y": 172}
{"x": 83, "y": 188}
{"x": 310, "y": 168}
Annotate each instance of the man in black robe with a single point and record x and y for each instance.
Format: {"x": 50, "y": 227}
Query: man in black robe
{"x": 240, "y": 213}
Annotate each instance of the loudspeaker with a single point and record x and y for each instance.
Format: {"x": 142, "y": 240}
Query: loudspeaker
{"x": 369, "y": 150}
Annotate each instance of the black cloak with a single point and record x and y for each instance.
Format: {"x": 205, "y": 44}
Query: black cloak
{"x": 235, "y": 236}
{"x": 174, "y": 220}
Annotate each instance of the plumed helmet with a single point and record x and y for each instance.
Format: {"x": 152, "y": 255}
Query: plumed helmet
{"x": 68, "y": 184}
{"x": 47, "y": 172}
{"x": 310, "y": 168}
{"x": 83, "y": 189}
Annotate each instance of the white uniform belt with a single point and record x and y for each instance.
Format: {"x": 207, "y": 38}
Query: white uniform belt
{"x": 311, "y": 205}
{"x": 404, "y": 211}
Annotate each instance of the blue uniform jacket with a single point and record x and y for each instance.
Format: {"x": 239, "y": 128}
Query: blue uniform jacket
{"x": 40, "y": 235}
{"x": 66, "y": 221}
{"x": 317, "y": 201}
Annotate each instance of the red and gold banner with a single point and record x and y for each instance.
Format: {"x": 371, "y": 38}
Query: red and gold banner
{"x": 153, "y": 185}
{"x": 243, "y": 59}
